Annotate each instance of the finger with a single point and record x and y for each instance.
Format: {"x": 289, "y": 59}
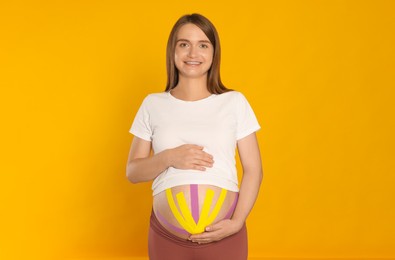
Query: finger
{"x": 200, "y": 236}
{"x": 205, "y": 158}
{"x": 210, "y": 228}
{"x": 197, "y": 167}
{"x": 202, "y": 163}
{"x": 208, "y": 159}
{"x": 214, "y": 227}
{"x": 204, "y": 154}
{"x": 204, "y": 240}
{"x": 205, "y": 236}
{"x": 200, "y": 151}
{"x": 195, "y": 146}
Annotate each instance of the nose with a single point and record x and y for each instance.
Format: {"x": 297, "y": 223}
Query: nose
{"x": 192, "y": 52}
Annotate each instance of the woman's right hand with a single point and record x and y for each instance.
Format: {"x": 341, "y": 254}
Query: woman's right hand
{"x": 190, "y": 156}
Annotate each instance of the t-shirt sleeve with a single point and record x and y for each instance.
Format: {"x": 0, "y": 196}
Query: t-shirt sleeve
{"x": 141, "y": 126}
{"x": 247, "y": 122}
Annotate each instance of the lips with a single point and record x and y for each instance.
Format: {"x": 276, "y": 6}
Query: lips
{"x": 193, "y": 62}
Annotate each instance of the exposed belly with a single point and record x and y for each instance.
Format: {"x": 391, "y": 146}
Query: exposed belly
{"x": 188, "y": 209}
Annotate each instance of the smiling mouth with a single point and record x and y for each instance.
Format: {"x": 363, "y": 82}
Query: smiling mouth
{"x": 193, "y": 62}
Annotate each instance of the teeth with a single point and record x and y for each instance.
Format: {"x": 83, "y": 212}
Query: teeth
{"x": 193, "y": 62}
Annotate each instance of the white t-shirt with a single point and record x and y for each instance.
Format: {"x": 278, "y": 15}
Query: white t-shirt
{"x": 215, "y": 122}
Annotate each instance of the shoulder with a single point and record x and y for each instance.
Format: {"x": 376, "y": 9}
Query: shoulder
{"x": 233, "y": 95}
{"x": 154, "y": 98}
{"x": 229, "y": 94}
{"x": 158, "y": 95}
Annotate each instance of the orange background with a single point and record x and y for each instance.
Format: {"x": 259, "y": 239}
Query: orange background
{"x": 319, "y": 75}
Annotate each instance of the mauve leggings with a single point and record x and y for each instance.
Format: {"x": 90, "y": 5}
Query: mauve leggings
{"x": 162, "y": 245}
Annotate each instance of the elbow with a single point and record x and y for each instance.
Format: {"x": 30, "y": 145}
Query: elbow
{"x": 130, "y": 174}
{"x": 261, "y": 176}
{"x": 131, "y": 178}
{"x": 261, "y": 173}
{"x": 255, "y": 174}
{"x": 254, "y": 178}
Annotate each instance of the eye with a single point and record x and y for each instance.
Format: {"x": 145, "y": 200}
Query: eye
{"x": 183, "y": 44}
{"x": 204, "y": 46}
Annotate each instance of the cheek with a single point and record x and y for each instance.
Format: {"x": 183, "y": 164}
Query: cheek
{"x": 179, "y": 54}
{"x": 177, "y": 58}
{"x": 210, "y": 54}
{"x": 209, "y": 57}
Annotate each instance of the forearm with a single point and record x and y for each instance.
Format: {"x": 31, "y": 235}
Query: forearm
{"x": 147, "y": 169}
{"x": 142, "y": 167}
{"x": 248, "y": 194}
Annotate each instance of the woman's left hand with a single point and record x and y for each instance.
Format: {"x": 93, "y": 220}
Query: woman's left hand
{"x": 217, "y": 231}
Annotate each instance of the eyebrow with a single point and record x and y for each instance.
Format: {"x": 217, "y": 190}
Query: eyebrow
{"x": 185, "y": 40}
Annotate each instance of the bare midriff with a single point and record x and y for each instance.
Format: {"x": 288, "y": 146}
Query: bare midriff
{"x": 188, "y": 209}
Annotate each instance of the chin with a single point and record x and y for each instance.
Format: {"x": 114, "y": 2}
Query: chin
{"x": 193, "y": 75}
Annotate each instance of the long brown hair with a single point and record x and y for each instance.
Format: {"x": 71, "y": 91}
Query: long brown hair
{"x": 214, "y": 84}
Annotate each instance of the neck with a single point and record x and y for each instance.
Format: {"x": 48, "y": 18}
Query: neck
{"x": 191, "y": 88}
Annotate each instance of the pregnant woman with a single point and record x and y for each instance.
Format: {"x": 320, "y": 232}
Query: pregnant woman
{"x": 193, "y": 129}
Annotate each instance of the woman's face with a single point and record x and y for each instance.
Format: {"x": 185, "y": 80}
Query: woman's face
{"x": 193, "y": 52}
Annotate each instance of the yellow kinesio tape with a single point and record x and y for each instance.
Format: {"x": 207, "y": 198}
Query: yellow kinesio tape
{"x": 214, "y": 213}
{"x": 186, "y": 213}
{"x": 185, "y": 218}
{"x": 177, "y": 214}
{"x": 205, "y": 211}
